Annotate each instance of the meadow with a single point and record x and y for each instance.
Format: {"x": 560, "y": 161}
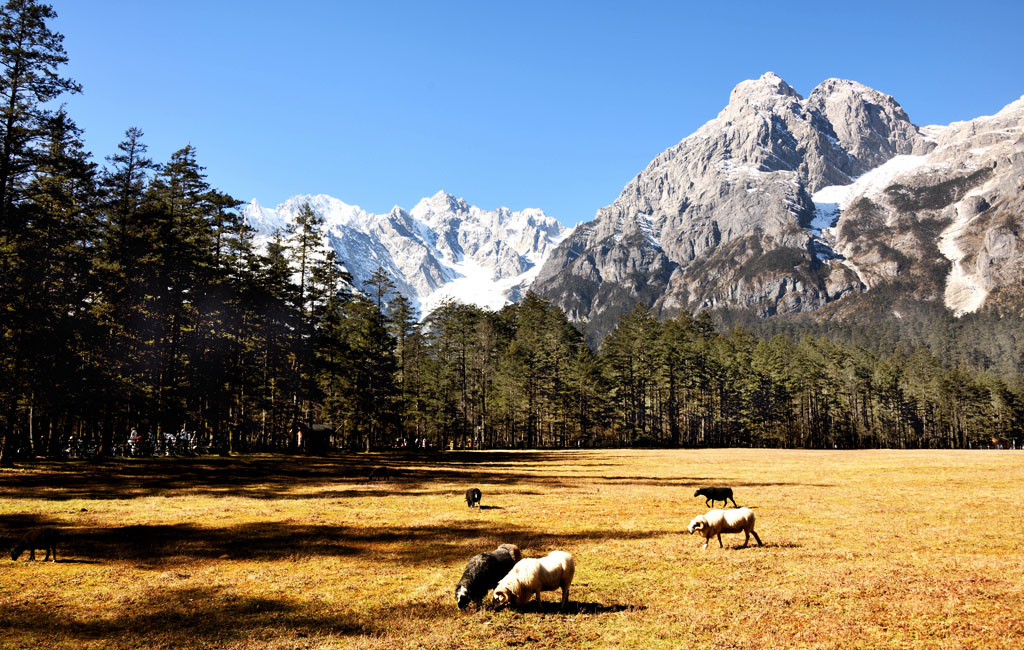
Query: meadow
{"x": 862, "y": 549}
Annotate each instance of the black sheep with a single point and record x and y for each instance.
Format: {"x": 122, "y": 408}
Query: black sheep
{"x": 473, "y": 497}
{"x": 484, "y": 572}
{"x": 712, "y": 494}
{"x": 379, "y": 474}
{"x": 37, "y": 538}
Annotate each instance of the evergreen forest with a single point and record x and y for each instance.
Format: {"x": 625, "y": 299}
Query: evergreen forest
{"x": 133, "y": 296}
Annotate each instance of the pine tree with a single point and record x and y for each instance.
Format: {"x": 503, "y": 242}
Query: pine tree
{"x": 405, "y": 329}
{"x": 121, "y": 259}
{"x": 181, "y": 268}
{"x": 630, "y": 353}
{"x": 54, "y": 328}
{"x": 30, "y": 56}
{"x": 277, "y": 323}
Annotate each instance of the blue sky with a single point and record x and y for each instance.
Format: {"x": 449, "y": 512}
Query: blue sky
{"x": 554, "y": 105}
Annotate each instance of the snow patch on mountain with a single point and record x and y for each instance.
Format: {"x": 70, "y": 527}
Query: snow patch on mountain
{"x": 831, "y": 201}
{"x": 965, "y": 292}
{"x": 826, "y": 213}
{"x": 838, "y": 197}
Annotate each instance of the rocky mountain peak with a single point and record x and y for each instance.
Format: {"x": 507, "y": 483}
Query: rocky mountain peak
{"x": 870, "y": 126}
{"x": 260, "y": 219}
{"x": 849, "y": 91}
{"x": 768, "y": 89}
{"x": 440, "y": 207}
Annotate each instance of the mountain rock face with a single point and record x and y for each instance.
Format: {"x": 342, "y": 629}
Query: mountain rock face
{"x": 726, "y": 217}
{"x": 952, "y": 220}
{"x": 441, "y": 248}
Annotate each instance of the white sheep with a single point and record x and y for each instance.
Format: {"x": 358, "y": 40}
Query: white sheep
{"x": 716, "y": 522}
{"x": 532, "y": 575}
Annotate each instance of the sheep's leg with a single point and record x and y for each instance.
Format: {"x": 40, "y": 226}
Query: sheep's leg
{"x": 746, "y": 538}
{"x": 707, "y": 503}
{"x": 32, "y": 554}
{"x": 45, "y": 559}
{"x": 540, "y": 605}
{"x": 565, "y": 597}
{"x": 720, "y": 544}
{"x": 756, "y": 537}
{"x": 733, "y": 502}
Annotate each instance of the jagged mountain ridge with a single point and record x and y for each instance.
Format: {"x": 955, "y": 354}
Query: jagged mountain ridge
{"x": 779, "y": 205}
{"x": 726, "y": 219}
{"x": 442, "y": 247}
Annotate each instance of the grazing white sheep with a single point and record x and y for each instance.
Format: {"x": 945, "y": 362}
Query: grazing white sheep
{"x": 716, "y": 522}
{"x": 534, "y": 575}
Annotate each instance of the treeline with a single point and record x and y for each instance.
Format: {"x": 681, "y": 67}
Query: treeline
{"x": 890, "y": 319}
{"x": 133, "y": 296}
{"x": 682, "y": 383}
{"x": 524, "y": 377}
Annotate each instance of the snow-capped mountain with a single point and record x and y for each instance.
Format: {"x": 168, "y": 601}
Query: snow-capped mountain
{"x": 784, "y": 204}
{"x": 443, "y": 247}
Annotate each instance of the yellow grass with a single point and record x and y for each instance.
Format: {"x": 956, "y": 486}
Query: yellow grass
{"x": 863, "y": 549}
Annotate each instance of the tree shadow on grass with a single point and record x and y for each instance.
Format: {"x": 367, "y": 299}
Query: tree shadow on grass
{"x": 697, "y": 481}
{"x": 449, "y": 544}
{"x": 170, "y": 616}
{"x": 268, "y": 476}
{"x": 185, "y": 617}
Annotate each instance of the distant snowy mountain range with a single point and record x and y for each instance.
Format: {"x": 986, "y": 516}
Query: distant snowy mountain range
{"x": 779, "y": 205}
{"x": 441, "y": 248}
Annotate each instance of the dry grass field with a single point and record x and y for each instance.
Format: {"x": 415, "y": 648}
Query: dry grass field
{"x": 863, "y": 549}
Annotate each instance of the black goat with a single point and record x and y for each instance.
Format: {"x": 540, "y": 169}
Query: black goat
{"x": 379, "y": 474}
{"x": 37, "y": 538}
{"x": 473, "y": 497}
{"x": 483, "y": 572}
{"x": 712, "y": 494}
